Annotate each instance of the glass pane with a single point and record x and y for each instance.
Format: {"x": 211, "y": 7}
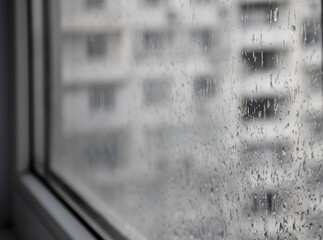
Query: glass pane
{"x": 192, "y": 119}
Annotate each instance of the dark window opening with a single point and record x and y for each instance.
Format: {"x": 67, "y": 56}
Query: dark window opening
{"x": 156, "y": 40}
{"x": 316, "y": 126}
{"x": 268, "y": 201}
{"x": 102, "y": 98}
{"x": 315, "y": 79}
{"x": 259, "y": 13}
{"x": 262, "y": 108}
{"x": 97, "y": 46}
{"x": 311, "y": 32}
{"x": 204, "y": 39}
{"x": 261, "y": 60}
{"x": 204, "y": 87}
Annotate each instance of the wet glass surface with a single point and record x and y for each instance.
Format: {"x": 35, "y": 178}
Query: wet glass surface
{"x": 193, "y": 119}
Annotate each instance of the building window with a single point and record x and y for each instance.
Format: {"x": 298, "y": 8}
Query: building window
{"x": 315, "y": 79}
{"x": 264, "y": 155}
{"x": 154, "y": 3}
{"x": 154, "y": 40}
{"x": 261, "y": 60}
{"x": 311, "y": 32}
{"x": 102, "y": 98}
{"x": 156, "y": 91}
{"x": 317, "y": 127}
{"x": 104, "y": 151}
{"x": 259, "y": 13}
{"x": 204, "y": 86}
{"x": 203, "y": 39}
{"x": 268, "y": 201}
{"x": 97, "y": 46}
{"x": 261, "y": 108}
{"x": 95, "y": 4}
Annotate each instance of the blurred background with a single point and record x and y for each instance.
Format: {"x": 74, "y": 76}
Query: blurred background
{"x": 191, "y": 119}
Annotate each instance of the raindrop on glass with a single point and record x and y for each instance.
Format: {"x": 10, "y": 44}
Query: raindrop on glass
{"x": 275, "y": 15}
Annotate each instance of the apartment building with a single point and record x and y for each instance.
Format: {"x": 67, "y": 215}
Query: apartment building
{"x": 212, "y": 91}
{"x": 280, "y": 42}
{"x": 140, "y": 80}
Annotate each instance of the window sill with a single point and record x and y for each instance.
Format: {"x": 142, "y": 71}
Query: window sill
{"x": 38, "y": 214}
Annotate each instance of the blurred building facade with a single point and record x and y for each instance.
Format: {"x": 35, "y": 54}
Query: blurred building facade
{"x": 206, "y": 112}
{"x": 279, "y": 44}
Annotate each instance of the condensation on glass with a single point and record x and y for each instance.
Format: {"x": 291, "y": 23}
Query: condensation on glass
{"x": 193, "y": 119}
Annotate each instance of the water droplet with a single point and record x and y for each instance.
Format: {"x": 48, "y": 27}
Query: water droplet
{"x": 284, "y": 151}
{"x": 284, "y": 206}
{"x": 276, "y": 14}
{"x": 259, "y": 114}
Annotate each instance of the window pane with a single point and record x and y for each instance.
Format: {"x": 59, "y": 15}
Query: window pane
{"x": 192, "y": 119}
